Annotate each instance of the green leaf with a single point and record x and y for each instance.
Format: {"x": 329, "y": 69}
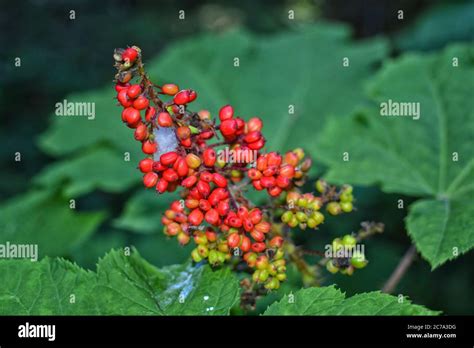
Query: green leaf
{"x": 432, "y": 157}
{"x": 438, "y": 26}
{"x": 123, "y": 285}
{"x": 103, "y": 169}
{"x": 46, "y": 220}
{"x": 331, "y": 301}
{"x": 143, "y": 212}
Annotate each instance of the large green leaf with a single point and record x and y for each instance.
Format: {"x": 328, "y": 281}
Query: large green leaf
{"x": 438, "y": 26}
{"x": 42, "y": 218}
{"x": 432, "y": 157}
{"x": 143, "y": 212}
{"x": 101, "y": 168}
{"x": 331, "y": 301}
{"x": 123, "y": 285}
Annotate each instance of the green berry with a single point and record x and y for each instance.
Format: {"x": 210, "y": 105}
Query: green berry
{"x": 263, "y": 275}
{"x": 349, "y": 241}
{"x": 302, "y": 202}
{"x": 302, "y": 217}
{"x": 312, "y": 223}
{"x": 318, "y": 217}
{"x": 346, "y": 197}
{"x": 346, "y": 207}
{"x": 337, "y": 245}
{"x": 287, "y": 216}
{"x": 347, "y": 189}
{"x": 203, "y": 251}
{"x": 195, "y": 255}
{"x": 281, "y": 277}
{"x": 358, "y": 260}
{"x": 213, "y": 257}
{"x": 331, "y": 267}
{"x": 321, "y": 185}
{"x": 333, "y": 208}
{"x": 293, "y": 222}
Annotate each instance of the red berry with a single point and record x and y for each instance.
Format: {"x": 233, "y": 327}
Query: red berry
{"x": 255, "y": 216}
{"x": 134, "y": 91}
{"x": 170, "y": 89}
{"x": 203, "y": 188}
{"x": 183, "y": 132}
{"x": 246, "y": 244}
{"x": 170, "y": 175}
{"x": 192, "y": 95}
{"x": 123, "y": 98}
{"x": 253, "y": 136}
{"x": 181, "y": 167}
{"x": 276, "y": 241}
{"x": 263, "y": 227}
{"x": 267, "y": 181}
{"x": 130, "y": 54}
{"x": 121, "y": 86}
{"x": 141, "y": 132}
{"x": 195, "y": 217}
{"x": 219, "y": 180}
{"x": 212, "y": 217}
{"x": 149, "y": 147}
{"x": 150, "y": 179}
{"x": 150, "y": 113}
{"x": 206, "y": 176}
{"x": 228, "y": 127}
{"x": 226, "y": 112}
{"x": 204, "y": 205}
{"x": 273, "y": 159}
{"x": 162, "y": 185}
{"x": 254, "y": 174}
{"x": 287, "y": 171}
{"x": 254, "y": 124}
{"x": 181, "y": 97}
{"x": 257, "y": 145}
{"x": 209, "y": 157}
{"x": 257, "y": 236}
{"x": 223, "y": 208}
{"x": 233, "y": 240}
{"x": 146, "y": 165}
{"x": 164, "y": 119}
{"x": 132, "y": 117}
{"x": 141, "y": 103}
{"x": 168, "y": 158}
{"x": 258, "y": 247}
{"x": 189, "y": 181}
{"x": 282, "y": 181}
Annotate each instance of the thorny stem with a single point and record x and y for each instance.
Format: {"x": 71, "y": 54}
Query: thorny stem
{"x": 400, "y": 270}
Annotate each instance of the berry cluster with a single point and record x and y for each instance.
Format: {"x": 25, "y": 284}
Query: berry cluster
{"x": 341, "y": 202}
{"x": 345, "y": 256}
{"x": 276, "y": 173}
{"x": 182, "y": 151}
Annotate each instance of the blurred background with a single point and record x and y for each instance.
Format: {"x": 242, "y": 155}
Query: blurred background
{"x": 64, "y": 164}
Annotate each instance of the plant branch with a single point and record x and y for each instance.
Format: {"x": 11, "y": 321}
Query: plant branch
{"x": 400, "y": 271}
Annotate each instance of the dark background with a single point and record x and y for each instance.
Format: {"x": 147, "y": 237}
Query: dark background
{"x": 60, "y": 56}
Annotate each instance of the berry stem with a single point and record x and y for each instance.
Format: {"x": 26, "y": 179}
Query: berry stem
{"x": 400, "y": 270}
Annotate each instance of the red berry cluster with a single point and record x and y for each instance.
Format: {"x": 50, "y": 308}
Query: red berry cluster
{"x": 180, "y": 148}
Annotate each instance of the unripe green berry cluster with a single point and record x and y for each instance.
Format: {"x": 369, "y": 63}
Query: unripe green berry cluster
{"x": 346, "y": 258}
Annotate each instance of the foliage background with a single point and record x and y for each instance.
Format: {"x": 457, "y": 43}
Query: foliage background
{"x": 72, "y": 59}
